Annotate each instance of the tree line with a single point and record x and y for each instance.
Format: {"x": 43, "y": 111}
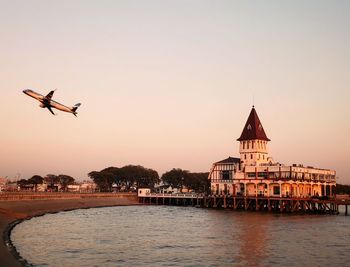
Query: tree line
{"x": 178, "y": 178}
{"x": 131, "y": 177}
{"x": 343, "y": 189}
{"x": 128, "y": 177}
{"x": 50, "y": 179}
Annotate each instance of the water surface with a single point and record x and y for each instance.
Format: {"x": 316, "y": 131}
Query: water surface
{"x": 182, "y": 236}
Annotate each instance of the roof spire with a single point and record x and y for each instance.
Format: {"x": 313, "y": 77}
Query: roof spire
{"x": 253, "y": 128}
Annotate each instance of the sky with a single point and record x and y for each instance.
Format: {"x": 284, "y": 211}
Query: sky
{"x": 170, "y": 84}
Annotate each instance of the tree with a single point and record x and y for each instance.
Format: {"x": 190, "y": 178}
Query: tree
{"x": 198, "y": 181}
{"x": 103, "y": 179}
{"x": 342, "y": 189}
{"x": 64, "y": 181}
{"x": 125, "y": 176}
{"x": 51, "y": 180}
{"x": 35, "y": 180}
{"x": 23, "y": 183}
{"x": 176, "y": 177}
{"x": 139, "y": 175}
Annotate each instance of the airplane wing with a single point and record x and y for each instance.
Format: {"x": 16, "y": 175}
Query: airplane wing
{"x": 49, "y": 95}
{"x": 49, "y": 108}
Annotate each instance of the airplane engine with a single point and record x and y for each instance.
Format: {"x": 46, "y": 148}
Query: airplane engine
{"x": 41, "y": 105}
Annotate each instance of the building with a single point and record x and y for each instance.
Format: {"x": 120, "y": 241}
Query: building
{"x": 255, "y": 173}
{"x": 2, "y": 184}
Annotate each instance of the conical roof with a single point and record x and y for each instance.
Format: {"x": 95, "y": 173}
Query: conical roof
{"x": 253, "y": 128}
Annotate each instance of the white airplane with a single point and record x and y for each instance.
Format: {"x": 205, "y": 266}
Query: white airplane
{"x": 47, "y": 102}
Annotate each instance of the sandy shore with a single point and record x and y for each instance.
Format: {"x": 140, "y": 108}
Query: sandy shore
{"x": 12, "y": 212}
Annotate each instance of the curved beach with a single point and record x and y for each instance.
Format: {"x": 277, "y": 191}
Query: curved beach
{"x": 21, "y": 207}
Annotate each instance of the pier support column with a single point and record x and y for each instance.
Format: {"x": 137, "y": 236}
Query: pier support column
{"x": 281, "y": 205}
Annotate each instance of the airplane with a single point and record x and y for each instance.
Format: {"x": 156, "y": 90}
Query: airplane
{"x": 47, "y": 102}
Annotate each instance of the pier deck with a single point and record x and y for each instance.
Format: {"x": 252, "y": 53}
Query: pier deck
{"x": 251, "y": 203}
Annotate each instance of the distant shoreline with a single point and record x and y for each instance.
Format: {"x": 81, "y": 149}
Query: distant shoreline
{"x": 26, "y": 206}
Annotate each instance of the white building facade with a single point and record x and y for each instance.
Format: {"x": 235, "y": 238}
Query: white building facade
{"x": 255, "y": 173}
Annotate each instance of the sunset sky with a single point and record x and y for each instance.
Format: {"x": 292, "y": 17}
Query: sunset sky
{"x": 168, "y": 84}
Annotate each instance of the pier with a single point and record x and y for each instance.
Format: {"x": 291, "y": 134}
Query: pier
{"x": 249, "y": 203}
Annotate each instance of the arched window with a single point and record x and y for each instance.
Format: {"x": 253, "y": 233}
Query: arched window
{"x": 251, "y": 156}
{"x": 243, "y": 144}
{"x": 245, "y": 156}
{"x": 248, "y": 144}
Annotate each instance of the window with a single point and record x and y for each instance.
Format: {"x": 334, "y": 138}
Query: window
{"x": 226, "y": 175}
{"x": 243, "y": 145}
{"x": 245, "y": 156}
{"x": 248, "y": 144}
{"x": 276, "y": 190}
{"x": 251, "y": 156}
{"x": 263, "y": 174}
{"x": 253, "y": 144}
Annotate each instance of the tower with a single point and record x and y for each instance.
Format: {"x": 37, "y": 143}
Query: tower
{"x": 253, "y": 142}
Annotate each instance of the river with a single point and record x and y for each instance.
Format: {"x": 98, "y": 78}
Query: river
{"x": 182, "y": 236}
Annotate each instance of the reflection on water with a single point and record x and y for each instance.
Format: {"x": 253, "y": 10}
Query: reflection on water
{"x": 182, "y": 236}
{"x": 253, "y": 237}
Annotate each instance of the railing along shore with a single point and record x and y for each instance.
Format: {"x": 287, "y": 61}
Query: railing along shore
{"x": 11, "y": 196}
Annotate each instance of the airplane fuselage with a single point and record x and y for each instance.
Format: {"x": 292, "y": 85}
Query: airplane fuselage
{"x": 47, "y": 102}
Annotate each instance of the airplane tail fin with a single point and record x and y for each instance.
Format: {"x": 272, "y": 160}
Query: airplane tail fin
{"x": 74, "y": 109}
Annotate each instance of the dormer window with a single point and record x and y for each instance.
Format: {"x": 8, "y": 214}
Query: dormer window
{"x": 249, "y": 127}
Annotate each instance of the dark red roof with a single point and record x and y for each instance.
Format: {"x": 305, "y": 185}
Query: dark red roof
{"x": 230, "y": 160}
{"x": 253, "y": 128}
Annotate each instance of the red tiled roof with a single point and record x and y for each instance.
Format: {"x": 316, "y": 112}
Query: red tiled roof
{"x": 253, "y": 128}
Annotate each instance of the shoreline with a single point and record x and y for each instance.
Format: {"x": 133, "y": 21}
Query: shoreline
{"x": 15, "y": 211}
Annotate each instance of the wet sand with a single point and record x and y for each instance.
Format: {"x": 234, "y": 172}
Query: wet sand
{"x": 12, "y": 212}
